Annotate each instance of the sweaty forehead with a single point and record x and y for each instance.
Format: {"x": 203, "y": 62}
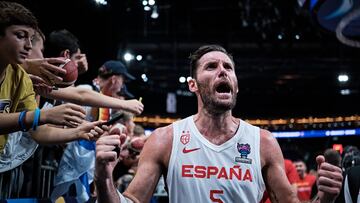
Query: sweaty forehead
{"x": 215, "y": 56}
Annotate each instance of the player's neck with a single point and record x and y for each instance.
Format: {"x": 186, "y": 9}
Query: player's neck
{"x": 221, "y": 125}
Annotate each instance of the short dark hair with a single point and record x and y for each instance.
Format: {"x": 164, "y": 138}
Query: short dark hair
{"x": 194, "y": 57}
{"x": 12, "y": 13}
{"x": 60, "y": 40}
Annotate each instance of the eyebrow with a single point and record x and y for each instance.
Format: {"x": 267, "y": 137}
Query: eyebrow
{"x": 216, "y": 61}
{"x": 25, "y": 31}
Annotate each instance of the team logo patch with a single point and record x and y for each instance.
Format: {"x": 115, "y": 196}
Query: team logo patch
{"x": 5, "y": 105}
{"x": 185, "y": 137}
{"x": 244, "y": 150}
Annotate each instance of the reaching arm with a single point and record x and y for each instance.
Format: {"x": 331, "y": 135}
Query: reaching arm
{"x": 153, "y": 160}
{"x": 65, "y": 114}
{"x": 52, "y": 135}
{"x": 9, "y": 122}
{"x": 86, "y": 97}
{"x": 272, "y": 162}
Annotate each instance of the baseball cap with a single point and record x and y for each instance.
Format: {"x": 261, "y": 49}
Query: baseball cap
{"x": 125, "y": 93}
{"x": 112, "y": 67}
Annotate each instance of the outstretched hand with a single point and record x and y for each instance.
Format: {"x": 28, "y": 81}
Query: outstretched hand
{"x": 329, "y": 180}
{"x": 46, "y": 68}
{"x": 134, "y": 106}
{"x": 91, "y": 130}
{"x": 70, "y": 115}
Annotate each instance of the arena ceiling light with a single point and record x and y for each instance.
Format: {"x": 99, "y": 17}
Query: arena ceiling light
{"x": 343, "y": 78}
{"x": 139, "y": 57}
{"x": 128, "y": 57}
{"x": 101, "y": 2}
{"x": 144, "y": 77}
{"x": 182, "y": 79}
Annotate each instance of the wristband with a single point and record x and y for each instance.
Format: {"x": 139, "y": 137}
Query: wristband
{"x": 21, "y": 121}
{"x": 36, "y": 118}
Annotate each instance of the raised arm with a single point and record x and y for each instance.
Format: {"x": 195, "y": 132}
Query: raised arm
{"x": 153, "y": 160}
{"x": 329, "y": 181}
{"x": 329, "y": 176}
{"x": 273, "y": 171}
{"x": 87, "y": 97}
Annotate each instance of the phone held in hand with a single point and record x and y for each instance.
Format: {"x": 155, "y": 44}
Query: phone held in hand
{"x": 114, "y": 118}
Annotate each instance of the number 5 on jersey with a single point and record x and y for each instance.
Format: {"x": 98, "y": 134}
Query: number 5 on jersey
{"x": 216, "y": 192}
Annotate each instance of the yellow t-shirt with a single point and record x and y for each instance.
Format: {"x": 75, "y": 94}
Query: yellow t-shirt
{"x": 16, "y": 94}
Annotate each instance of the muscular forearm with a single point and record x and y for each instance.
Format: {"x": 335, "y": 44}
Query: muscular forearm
{"x": 106, "y": 191}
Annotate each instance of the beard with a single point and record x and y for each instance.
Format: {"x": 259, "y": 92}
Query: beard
{"x": 213, "y": 105}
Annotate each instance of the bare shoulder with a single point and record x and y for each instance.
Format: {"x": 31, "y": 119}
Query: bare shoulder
{"x": 161, "y": 135}
{"x": 269, "y": 147}
{"x": 159, "y": 143}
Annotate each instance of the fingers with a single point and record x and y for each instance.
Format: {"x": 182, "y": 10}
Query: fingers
{"x": 320, "y": 159}
{"x": 330, "y": 172}
{"x": 135, "y": 106}
{"x": 56, "y": 60}
{"x": 105, "y": 148}
{"x": 78, "y": 109}
{"x": 95, "y": 133}
{"x": 103, "y": 154}
{"x": 50, "y": 76}
{"x": 330, "y": 177}
{"x": 75, "y": 120}
{"x": 329, "y": 185}
{"x": 54, "y": 68}
{"x": 36, "y": 79}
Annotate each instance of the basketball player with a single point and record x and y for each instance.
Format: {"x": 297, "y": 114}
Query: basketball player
{"x": 210, "y": 156}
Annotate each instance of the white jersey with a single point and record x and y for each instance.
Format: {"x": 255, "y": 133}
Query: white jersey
{"x": 200, "y": 171}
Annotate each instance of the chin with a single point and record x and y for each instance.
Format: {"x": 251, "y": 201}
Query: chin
{"x": 221, "y": 107}
{"x": 20, "y": 61}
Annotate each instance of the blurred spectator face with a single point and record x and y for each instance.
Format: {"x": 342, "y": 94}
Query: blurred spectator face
{"x": 112, "y": 85}
{"x": 300, "y": 167}
{"x": 37, "y": 47}
{"x": 139, "y": 131}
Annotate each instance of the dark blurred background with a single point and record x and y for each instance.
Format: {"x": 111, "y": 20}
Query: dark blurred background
{"x": 287, "y": 65}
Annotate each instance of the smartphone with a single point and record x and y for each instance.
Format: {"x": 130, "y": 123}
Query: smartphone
{"x": 115, "y": 118}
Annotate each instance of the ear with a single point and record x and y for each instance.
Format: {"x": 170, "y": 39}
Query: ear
{"x": 65, "y": 54}
{"x": 192, "y": 85}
